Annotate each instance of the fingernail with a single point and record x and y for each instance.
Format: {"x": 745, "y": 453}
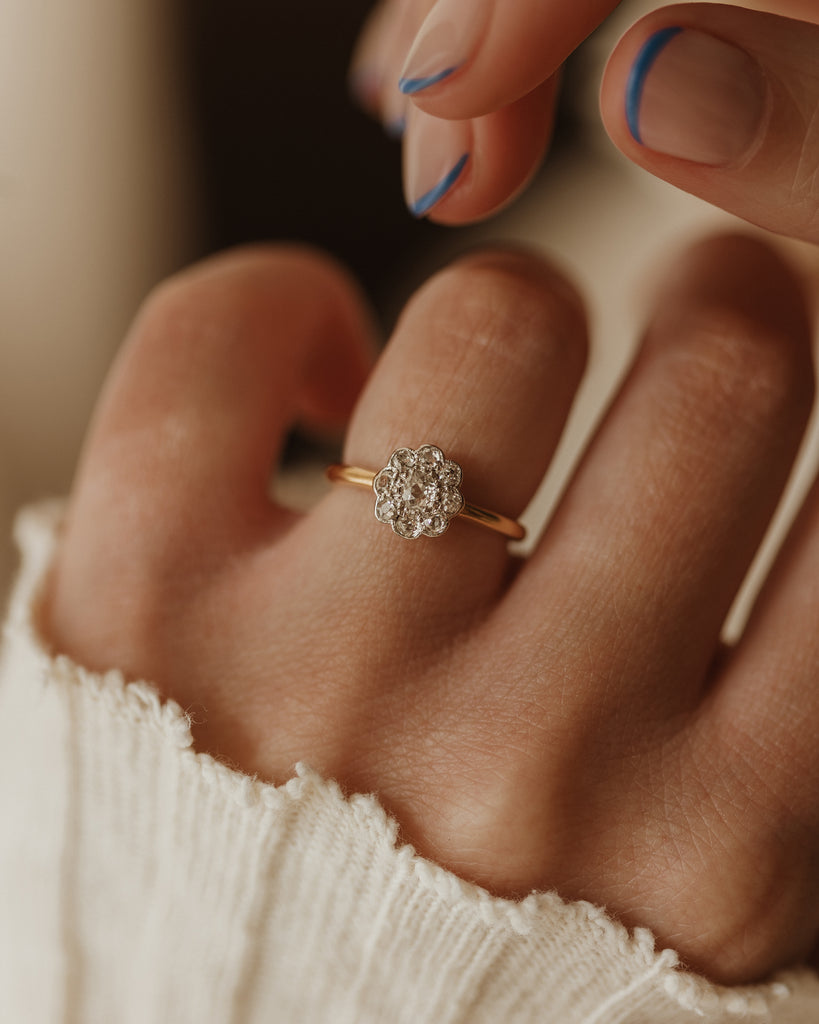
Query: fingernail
{"x": 436, "y": 155}
{"x": 447, "y": 39}
{"x": 696, "y": 97}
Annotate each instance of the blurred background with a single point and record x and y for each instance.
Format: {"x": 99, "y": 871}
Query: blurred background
{"x": 141, "y": 135}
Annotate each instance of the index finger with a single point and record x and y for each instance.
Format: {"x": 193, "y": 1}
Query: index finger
{"x": 471, "y": 57}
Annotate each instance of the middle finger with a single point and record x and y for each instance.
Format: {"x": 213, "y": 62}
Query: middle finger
{"x": 634, "y": 578}
{"x": 484, "y": 364}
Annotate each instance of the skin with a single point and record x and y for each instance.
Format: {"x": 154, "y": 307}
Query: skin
{"x": 777, "y": 187}
{"x": 509, "y": 86}
{"x": 571, "y": 722}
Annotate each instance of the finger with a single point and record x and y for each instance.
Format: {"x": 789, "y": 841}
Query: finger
{"x": 657, "y": 529}
{"x": 484, "y": 364}
{"x": 368, "y": 63}
{"x": 394, "y": 104}
{"x": 381, "y": 51}
{"x": 461, "y": 171}
{"x": 721, "y": 101}
{"x": 219, "y": 363}
{"x": 472, "y": 57}
{"x": 766, "y": 702}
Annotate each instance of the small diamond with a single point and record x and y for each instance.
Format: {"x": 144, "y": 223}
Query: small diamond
{"x": 404, "y": 458}
{"x": 435, "y": 526}
{"x": 383, "y": 481}
{"x": 429, "y": 453}
{"x": 452, "y": 501}
{"x": 417, "y": 493}
{"x": 385, "y": 511}
{"x": 410, "y": 525}
{"x": 451, "y": 474}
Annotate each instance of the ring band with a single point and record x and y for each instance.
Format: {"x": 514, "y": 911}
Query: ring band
{"x": 418, "y": 492}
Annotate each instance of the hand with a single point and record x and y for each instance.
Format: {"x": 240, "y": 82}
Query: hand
{"x": 722, "y": 102}
{"x": 725, "y": 109}
{"x": 569, "y": 723}
{"x": 480, "y": 79}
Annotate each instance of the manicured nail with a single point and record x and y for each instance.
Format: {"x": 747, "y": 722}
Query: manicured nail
{"x": 696, "y": 97}
{"x": 447, "y": 39}
{"x": 410, "y": 86}
{"x": 436, "y": 155}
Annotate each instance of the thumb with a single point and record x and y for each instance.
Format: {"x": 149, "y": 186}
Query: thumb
{"x": 724, "y": 103}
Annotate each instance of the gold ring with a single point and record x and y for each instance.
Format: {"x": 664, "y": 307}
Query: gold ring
{"x": 418, "y": 492}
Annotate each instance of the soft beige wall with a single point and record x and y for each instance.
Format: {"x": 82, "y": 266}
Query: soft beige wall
{"x": 95, "y": 205}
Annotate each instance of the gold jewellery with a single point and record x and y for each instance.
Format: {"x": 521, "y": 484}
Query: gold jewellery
{"x": 418, "y": 492}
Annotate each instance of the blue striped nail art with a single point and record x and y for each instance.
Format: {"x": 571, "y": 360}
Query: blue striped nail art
{"x": 409, "y": 86}
{"x": 425, "y": 202}
{"x": 651, "y": 50}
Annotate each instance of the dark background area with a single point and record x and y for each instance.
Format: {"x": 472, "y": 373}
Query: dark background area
{"x": 285, "y": 153}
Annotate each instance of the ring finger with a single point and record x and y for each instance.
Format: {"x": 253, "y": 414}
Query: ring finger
{"x": 484, "y": 364}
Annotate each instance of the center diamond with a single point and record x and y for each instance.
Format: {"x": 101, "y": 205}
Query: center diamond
{"x": 417, "y": 492}
{"x": 420, "y": 488}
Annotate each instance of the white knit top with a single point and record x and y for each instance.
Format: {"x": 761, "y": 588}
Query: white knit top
{"x": 142, "y": 882}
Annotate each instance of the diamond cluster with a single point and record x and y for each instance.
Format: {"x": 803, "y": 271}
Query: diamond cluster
{"x": 417, "y": 492}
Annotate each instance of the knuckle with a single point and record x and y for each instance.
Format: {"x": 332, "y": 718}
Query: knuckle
{"x": 730, "y": 368}
{"x": 751, "y": 915}
{"x": 179, "y": 312}
{"x": 165, "y": 304}
{"x": 219, "y": 295}
{"x": 745, "y": 873}
{"x": 514, "y": 307}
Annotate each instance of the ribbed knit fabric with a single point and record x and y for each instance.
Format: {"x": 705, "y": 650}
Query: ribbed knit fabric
{"x": 144, "y": 883}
